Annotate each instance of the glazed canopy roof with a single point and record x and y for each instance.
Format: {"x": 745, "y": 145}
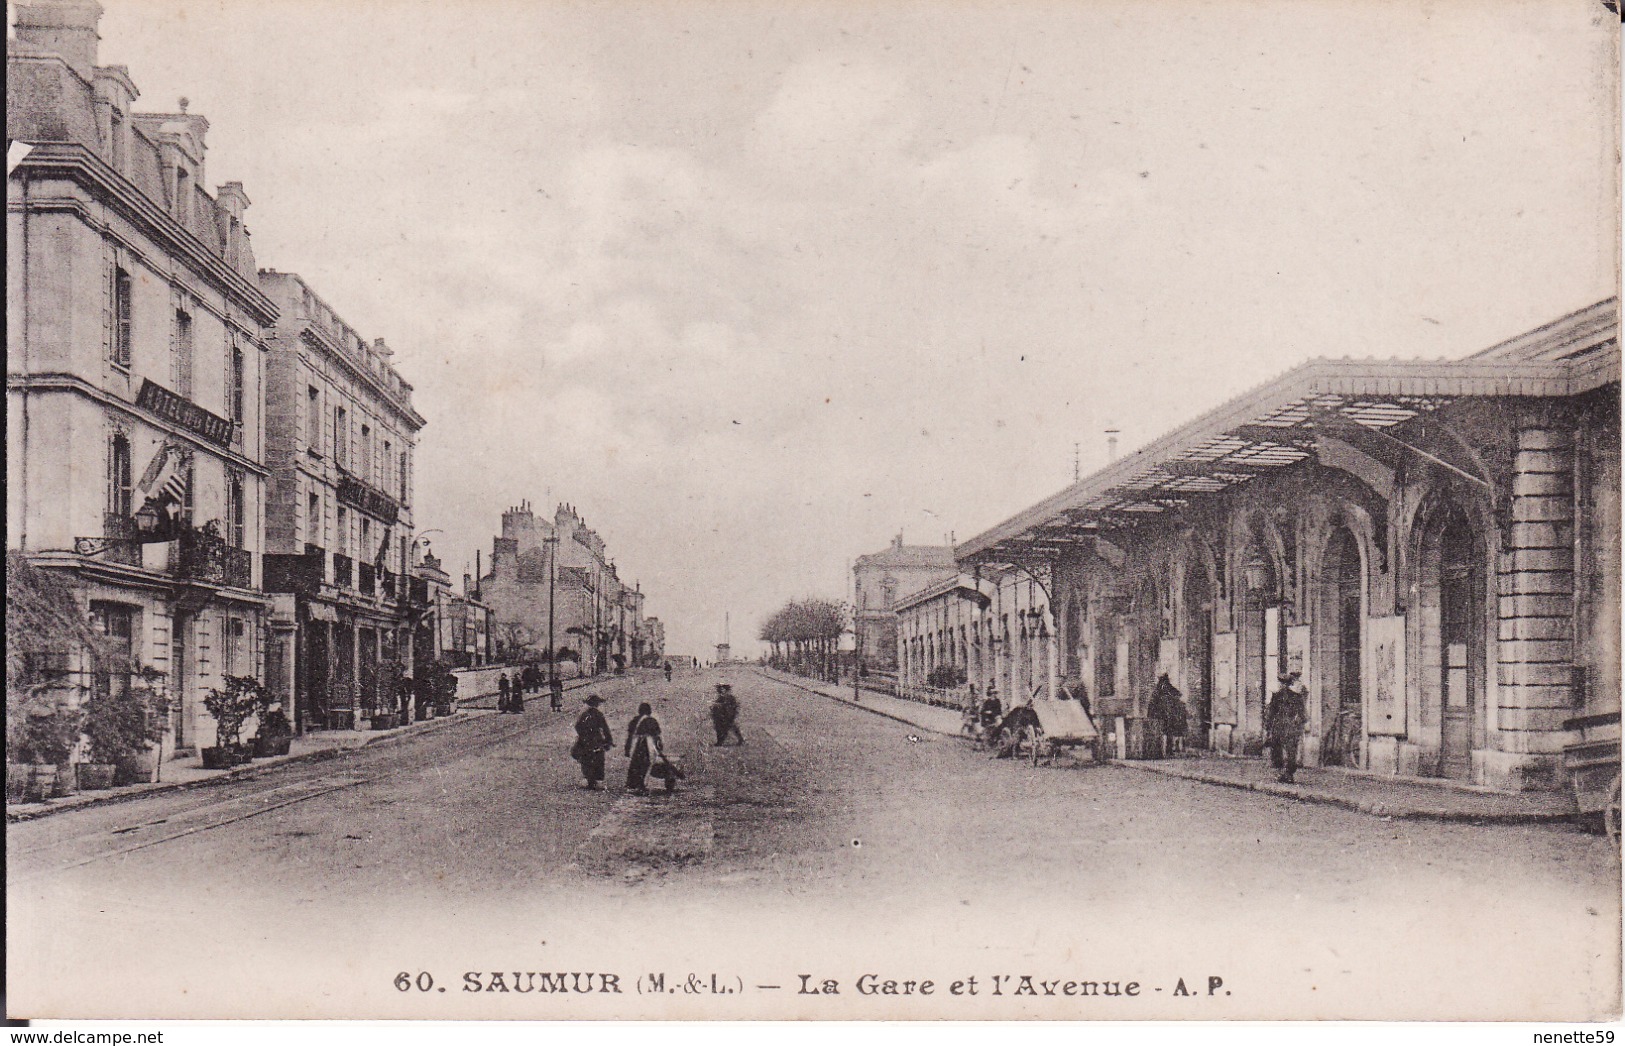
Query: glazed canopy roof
{"x": 1283, "y": 422}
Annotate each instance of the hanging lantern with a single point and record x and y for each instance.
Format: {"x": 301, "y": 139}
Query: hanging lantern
{"x": 1256, "y": 572}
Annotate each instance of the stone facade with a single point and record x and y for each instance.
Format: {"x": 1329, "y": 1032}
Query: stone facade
{"x": 1434, "y": 546}
{"x": 341, "y": 433}
{"x": 135, "y": 366}
{"x": 879, "y": 580}
{"x": 555, "y": 583}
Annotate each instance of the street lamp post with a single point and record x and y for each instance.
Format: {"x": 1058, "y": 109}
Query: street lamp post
{"x": 552, "y": 652}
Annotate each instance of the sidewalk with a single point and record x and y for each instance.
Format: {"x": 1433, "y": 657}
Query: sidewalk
{"x": 188, "y": 773}
{"x": 1401, "y": 798}
{"x": 309, "y": 747}
{"x": 926, "y": 717}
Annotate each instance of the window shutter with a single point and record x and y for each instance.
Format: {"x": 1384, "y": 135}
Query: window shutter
{"x": 174, "y": 342}
{"x": 109, "y": 278}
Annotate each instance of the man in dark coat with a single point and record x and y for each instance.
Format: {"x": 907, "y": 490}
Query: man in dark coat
{"x": 1167, "y": 710}
{"x": 593, "y": 739}
{"x": 555, "y": 693}
{"x": 502, "y": 694}
{"x": 1283, "y": 724}
{"x": 642, "y": 745}
{"x": 725, "y": 714}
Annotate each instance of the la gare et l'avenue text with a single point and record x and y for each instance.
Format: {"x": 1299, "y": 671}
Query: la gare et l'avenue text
{"x": 806, "y": 984}
{"x": 1002, "y": 984}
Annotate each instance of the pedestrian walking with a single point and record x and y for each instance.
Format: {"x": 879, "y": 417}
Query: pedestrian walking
{"x": 404, "y": 688}
{"x": 593, "y": 739}
{"x": 668, "y": 671}
{"x": 555, "y": 692}
{"x": 725, "y": 715}
{"x": 503, "y": 701}
{"x": 642, "y": 745}
{"x": 1167, "y": 712}
{"x": 1283, "y": 725}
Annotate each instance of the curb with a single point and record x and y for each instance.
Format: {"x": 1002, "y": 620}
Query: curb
{"x": 792, "y": 681}
{"x": 1371, "y": 808}
{"x": 383, "y": 740}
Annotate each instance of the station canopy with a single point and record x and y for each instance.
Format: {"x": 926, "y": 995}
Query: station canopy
{"x": 1339, "y": 411}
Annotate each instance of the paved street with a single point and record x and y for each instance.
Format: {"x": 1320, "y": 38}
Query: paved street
{"x": 833, "y": 843}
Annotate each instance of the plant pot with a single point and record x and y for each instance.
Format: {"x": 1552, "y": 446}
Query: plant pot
{"x": 218, "y": 758}
{"x": 96, "y": 777}
{"x": 242, "y": 754}
{"x": 141, "y": 768}
{"x": 16, "y": 782}
{"x": 41, "y": 782}
{"x": 277, "y": 744}
{"x": 67, "y": 782}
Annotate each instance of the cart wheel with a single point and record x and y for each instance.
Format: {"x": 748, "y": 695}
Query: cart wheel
{"x": 1610, "y": 815}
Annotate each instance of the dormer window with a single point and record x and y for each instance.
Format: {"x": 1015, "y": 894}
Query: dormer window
{"x": 183, "y": 193}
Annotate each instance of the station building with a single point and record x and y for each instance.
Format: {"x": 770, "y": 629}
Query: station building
{"x": 1435, "y": 545}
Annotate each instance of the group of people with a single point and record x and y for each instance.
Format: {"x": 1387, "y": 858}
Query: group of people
{"x": 511, "y": 692}
{"x": 643, "y": 745}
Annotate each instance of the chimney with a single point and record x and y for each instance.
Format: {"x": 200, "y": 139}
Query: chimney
{"x": 1111, "y": 445}
{"x": 67, "y": 27}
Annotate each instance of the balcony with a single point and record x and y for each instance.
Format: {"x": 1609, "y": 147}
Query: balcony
{"x": 341, "y": 570}
{"x": 203, "y": 556}
{"x": 367, "y": 578}
{"x": 121, "y": 544}
{"x": 301, "y": 574}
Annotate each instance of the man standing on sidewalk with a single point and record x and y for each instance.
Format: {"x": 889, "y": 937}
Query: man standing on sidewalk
{"x": 1284, "y": 725}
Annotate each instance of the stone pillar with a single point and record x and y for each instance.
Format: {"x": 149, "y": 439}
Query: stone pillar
{"x": 1535, "y": 649}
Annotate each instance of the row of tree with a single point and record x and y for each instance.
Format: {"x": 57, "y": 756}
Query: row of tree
{"x": 805, "y": 634}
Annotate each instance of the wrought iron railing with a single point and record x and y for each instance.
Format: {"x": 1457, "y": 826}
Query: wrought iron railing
{"x": 199, "y": 555}
{"x": 303, "y": 574}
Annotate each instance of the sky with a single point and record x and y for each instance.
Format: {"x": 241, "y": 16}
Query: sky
{"x": 757, "y": 285}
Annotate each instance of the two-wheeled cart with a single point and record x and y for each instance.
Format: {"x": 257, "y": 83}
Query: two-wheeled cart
{"x": 1592, "y": 766}
{"x": 1045, "y": 727}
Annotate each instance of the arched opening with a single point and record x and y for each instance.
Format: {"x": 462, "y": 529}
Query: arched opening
{"x": 1262, "y": 636}
{"x": 1198, "y": 608}
{"x": 1451, "y": 591}
{"x": 1339, "y": 614}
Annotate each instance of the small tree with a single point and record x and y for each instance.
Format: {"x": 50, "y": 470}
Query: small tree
{"x": 241, "y": 697}
{"x": 123, "y": 724}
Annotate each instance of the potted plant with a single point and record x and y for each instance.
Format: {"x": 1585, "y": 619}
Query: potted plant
{"x": 42, "y": 733}
{"x": 122, "y": 729}
{"x": 275, "y": 733}
{"x": 145, "y": 722}
{"x": 230, "y": 706}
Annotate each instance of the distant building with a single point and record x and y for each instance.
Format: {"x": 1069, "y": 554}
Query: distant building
{"x": 724, "y": 654}
{"x": 452, "y": 628}
{"x": 654, "y": 640}
{"x": 879, "y": 581}
{"x": 553, "y": 581}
